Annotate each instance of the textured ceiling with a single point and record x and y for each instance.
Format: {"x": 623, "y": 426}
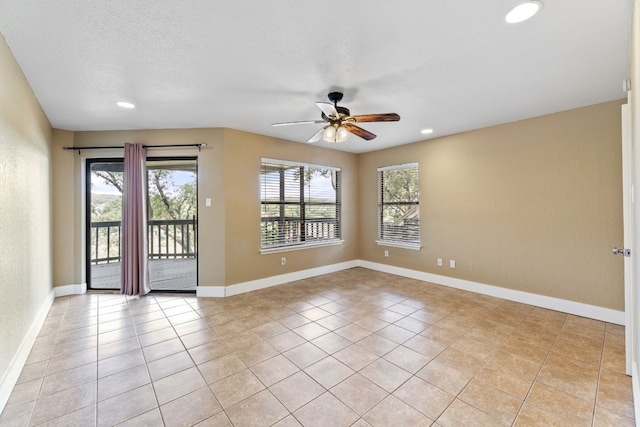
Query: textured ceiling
{"x": 450, "y": 65}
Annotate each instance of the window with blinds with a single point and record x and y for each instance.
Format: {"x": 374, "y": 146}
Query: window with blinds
{"x": 300, "y": 204}
{"x": 399, "y": 210}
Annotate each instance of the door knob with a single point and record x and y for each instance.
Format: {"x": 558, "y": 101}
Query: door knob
{"x": 625, "y": 252}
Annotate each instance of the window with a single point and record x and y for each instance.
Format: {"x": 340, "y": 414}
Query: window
{"x": 300, "y": 204}
{"x": 399, "y": 210}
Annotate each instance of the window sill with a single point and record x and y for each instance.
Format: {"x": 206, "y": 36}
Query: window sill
{"x": 300, "y": 246}
{"x": 413, "y": 247}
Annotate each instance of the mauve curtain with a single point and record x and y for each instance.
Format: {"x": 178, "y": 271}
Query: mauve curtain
{"x": 134, "y": 273}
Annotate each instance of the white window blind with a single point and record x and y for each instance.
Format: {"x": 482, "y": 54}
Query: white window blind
{"x": 300, "y": 204}
{"x": 399, "y": 210}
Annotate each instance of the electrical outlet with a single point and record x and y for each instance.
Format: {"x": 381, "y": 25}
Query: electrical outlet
{"x": 283, "y": 261}
{"x": 452, "y": 263}
{"x": 386, "y": 254}
{"x": 439, "y": 262}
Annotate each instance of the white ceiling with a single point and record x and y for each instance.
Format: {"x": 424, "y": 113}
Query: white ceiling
{"x": 450, "y": 65}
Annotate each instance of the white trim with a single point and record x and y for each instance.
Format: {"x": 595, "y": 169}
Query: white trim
{"x": 565, "y": 306}
{"x": 635, "y": 387}
{"x": 12, "y": 373}
{"x": 63, "y": 291}
{"x": 300, "y": 246}
{"x": 267, "y": 282}
{"x": 402, "y": 166}
{"x": 210, "y": 291}
{"x": 399, "y": 245}
{"x": 296, "y": 164}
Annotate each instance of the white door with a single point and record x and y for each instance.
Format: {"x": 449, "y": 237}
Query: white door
{"x": 628, "y": 221}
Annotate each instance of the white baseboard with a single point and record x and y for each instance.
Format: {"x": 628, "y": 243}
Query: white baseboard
{"x": 579, "y": 309}
{"x": 210, "y": 291}
{"x": 62, "y": 291}
{"x": 12, "y": 373}
{"x": 267, "y": 282}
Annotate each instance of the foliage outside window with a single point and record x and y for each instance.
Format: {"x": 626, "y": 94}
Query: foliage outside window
{"x": 300, "y": 204}
{"x": 399, "y": 210}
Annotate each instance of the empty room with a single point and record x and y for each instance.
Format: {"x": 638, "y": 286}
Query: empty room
{"x": 340, "y": 214}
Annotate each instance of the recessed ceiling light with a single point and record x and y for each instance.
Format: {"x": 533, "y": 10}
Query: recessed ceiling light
{"x": 426, "y": 131}
{"x": 523, "y": 11}
{"x": 125, "y": 104}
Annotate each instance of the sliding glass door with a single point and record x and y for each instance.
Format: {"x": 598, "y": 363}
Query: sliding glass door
{"x": 172, "y": 196}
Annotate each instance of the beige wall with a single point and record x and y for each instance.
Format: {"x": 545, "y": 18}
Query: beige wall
{"x": 228, "y": 173}
{"x": 244, "y": 261}
{"x": 25, "y": 208}
{"x": 534, "y": 205}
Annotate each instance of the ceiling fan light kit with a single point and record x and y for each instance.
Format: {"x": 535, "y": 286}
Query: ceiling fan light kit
{"x": 340, "y": 123}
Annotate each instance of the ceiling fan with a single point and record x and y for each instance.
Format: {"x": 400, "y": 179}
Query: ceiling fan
{"x": 340, "y": 123}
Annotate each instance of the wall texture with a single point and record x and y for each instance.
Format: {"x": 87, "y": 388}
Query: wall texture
{"x": 25, "y": 208}
{"x": 534, "y": 205}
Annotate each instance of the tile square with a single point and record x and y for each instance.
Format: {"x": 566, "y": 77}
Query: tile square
{"x": 355, "y": 357}
{"x": 498, "y": 404}
{"x": 424, "y": 397}
{"x": 296, "y": 390}
{"x": 377, "y": 344}
{"x": 177, "y": 385}
{"x": 332, "y": 322}
{"x": 385, "y": 374}
{"x": 256, "y": 353}
{"x": 236, "y": 388}
{"x": 331, "y": 342}
{"x": 169, "y": 365}
{"x": 122, "y": 382}
{"x": 407, "y": 359}
{"x": 209, "y": 351}
{"x": 311, "y": 331}
{"x": 396, "y": 334}
{"x": 328, "y": 372}
{"x": 353, "y": 332}
{"x": 286, "y": 341}
{"x": 275, "y": 369}
{"x": 222, "y": 367}
{"x": 56, "y": 405}
{"x": 359, "y": 394}
{"x": 326, "y": 410}
{"x": 305, "y": 355}
{"x": 394, "y": 412}
{"x": 190, "y": 409}
{"x": 261, "y": 409}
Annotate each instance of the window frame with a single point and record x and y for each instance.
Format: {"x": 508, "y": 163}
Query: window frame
{"x": 381, "y": 205}
{"x": 302, "y": 204}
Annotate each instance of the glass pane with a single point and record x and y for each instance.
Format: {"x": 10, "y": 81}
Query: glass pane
{"x": 401, "y": 223}
{"x": 400, "y": 185}
{"x": 172, "y": 234}
{"x": 106, "y": 182}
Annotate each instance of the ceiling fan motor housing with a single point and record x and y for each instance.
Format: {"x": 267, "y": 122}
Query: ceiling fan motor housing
{"x": 342, "y": 113}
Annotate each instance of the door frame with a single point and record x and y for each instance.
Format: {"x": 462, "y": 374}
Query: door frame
{"x": 87, "y": 213}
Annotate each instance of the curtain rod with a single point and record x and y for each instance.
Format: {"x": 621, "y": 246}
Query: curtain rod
{"x": 111, "y": 147}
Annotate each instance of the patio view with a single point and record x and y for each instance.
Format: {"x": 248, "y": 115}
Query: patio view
{"x": 172, "y": 224}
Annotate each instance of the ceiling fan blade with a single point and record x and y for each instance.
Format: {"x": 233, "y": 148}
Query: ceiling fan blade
{"x": 358, "y": 131}
{"x": 328, "y": 109}
{"x": 316, "y": 136}
{"x": 298, "y": 123}
{"x": 386, "y": 117}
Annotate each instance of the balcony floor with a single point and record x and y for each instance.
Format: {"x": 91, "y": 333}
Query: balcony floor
{"x": 164, "y": 274}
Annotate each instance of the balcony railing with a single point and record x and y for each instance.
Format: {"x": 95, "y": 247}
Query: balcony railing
{"x": 277, "y": 231}
{"x": 166, "y": 239}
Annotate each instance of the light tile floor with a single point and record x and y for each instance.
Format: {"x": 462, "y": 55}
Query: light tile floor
{"x": 356, "y": 347}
